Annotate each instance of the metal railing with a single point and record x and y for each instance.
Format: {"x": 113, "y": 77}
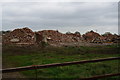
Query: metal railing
{"x": 35, "y": 67}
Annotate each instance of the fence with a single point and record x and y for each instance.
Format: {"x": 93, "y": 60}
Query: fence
{"x": 35, "y": 67}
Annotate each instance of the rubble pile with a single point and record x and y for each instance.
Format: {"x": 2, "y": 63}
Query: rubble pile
{"x": 27, "y": 36}
{"x": 57, "y": 37}
{"x": 94, "y": 37}
{"x": 76, "y": 37}
{"x": 21, "y": 36}
{"x": 110, "y": 38}
{"x": 91, "y": 36}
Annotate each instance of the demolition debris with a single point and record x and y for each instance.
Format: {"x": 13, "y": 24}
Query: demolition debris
{"x": 26, "y": 36}
{"x": 19, "y": 36}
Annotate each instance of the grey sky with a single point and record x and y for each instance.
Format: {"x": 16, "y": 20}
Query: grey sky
{"x": 62, "y": 16}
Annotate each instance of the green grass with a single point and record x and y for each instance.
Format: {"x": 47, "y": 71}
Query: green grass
{"x": 48, "y": 55}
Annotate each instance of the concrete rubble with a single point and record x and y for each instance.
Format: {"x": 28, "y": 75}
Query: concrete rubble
{"x": 57, "y": 37}
{"x": 26, "y": 36}
{"x": 19, "y": 36}
{"x": 91, "y": 36}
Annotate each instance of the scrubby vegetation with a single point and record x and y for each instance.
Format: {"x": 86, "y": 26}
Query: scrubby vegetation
{"x": 19, "y": 56}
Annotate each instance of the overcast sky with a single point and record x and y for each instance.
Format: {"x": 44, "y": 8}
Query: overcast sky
{"x": 63, "y": 16}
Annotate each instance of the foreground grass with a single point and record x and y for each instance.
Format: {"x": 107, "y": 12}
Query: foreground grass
{"x": 34, "y": 56}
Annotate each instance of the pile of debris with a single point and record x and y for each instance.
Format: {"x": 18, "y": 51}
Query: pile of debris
{"x": 91, "y": 36}
{"x": 52, "y": 36}
{"x": 110, "y": 38}
{"x": 20, "y": 36}
{"x": 27, "y": 36}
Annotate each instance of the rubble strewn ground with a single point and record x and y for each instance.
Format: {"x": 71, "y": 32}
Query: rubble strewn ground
{"x": 26, "y": 36}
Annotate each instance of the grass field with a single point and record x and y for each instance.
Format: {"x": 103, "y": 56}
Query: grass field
{"x": 19, "y": 56}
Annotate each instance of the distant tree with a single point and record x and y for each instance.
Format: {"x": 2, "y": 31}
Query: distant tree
{"x": 3, "y": 32}
{"x": 107, "y": 33}
{"x": 68, "y": 32}
{"x": 115, "y": 34}
{"x": 8, "y": 31}
{"x": 77, "y": 32}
